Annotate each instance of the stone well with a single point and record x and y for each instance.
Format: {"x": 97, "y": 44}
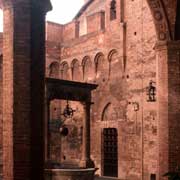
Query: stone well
{"x": 70, "y": 174}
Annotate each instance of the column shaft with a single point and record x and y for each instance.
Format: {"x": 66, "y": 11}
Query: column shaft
{"x": 23, "y": 90}
{"x": 86, "y": 160}
{"x": 168, "y": 78}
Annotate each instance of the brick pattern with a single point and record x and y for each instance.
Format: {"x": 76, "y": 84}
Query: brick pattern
{"x": 23, "y": 91}
{"x": 138, "y": 132}
{"x": 169, "y": 100}
{"x": 97, "y": 18}
{"x": 122, "y": 79}
{"x": 54, "y": 29}
{"x": 118, "y": 89}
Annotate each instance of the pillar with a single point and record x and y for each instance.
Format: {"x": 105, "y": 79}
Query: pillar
{"x": 168, "y": 78}
{"x": 86, "y": 161}
{"x": 0, "y": 115}
{"x": 23, "y": 88}
{"x": 47, "y": 130}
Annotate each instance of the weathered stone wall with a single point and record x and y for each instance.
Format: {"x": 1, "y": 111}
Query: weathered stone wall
{"x": 98, "y": 19}
{"x": 54, "y": 32}
{"x": 93, "y": 8}
{"x": 69, "y": 31}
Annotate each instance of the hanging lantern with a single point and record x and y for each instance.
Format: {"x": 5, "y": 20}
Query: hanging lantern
{"x": 151, "y": 92}
{"x": 68, "y": 111}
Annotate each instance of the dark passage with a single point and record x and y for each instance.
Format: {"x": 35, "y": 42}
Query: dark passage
{"x": 177, "y": 25}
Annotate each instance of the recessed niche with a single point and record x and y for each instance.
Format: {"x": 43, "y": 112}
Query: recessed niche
{"x": 153, "y": 177}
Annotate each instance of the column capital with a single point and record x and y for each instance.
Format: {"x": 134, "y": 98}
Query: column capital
{"x": 165, "y": 45}
{"x": 42, "y": 5}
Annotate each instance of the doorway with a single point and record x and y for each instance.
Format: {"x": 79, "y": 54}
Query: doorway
{"x": 110, "y": 156}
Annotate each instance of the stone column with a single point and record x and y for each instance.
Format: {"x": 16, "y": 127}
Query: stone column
{"x": 1, "y": 115}
{"x": 86, "y": 161}
{"x": 47, "y": 131}
{"x": 168, "y": 78}
{"x": 23, "y": 89}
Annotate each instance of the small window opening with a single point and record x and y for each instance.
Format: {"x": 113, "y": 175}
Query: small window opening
{"x": 113, "y": 10}
{"x": 153, "y": 177}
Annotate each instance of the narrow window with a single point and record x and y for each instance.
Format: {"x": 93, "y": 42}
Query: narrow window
{"x": 113, "y": 10}
{"x": 76, "y": 71}
{"x": 54, "y": 70}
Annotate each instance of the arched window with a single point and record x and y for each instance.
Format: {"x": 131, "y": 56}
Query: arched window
{"x": 54, "y": 70}
{"x": 101, "y": 67}
{"x": 106, "y": 112}
{"x": 88, "y": 73}
{"x": 115, "y": 64}
{"x": 113, "y": 10}
{"x": 76, "y": 71}
{"x": 65, "y": 74}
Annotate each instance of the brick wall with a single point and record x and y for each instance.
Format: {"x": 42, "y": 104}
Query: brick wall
{"x": 69, "y": 31}
{"x": 23, "y": 90}
{"x": 137, "y": 131}
{"x": 97, "y": 18}
{"x": 54, "y": 32}
{"x": 122, "y": 61}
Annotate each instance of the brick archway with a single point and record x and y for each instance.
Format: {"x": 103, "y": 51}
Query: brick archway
{"x": 160, "y": 19}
